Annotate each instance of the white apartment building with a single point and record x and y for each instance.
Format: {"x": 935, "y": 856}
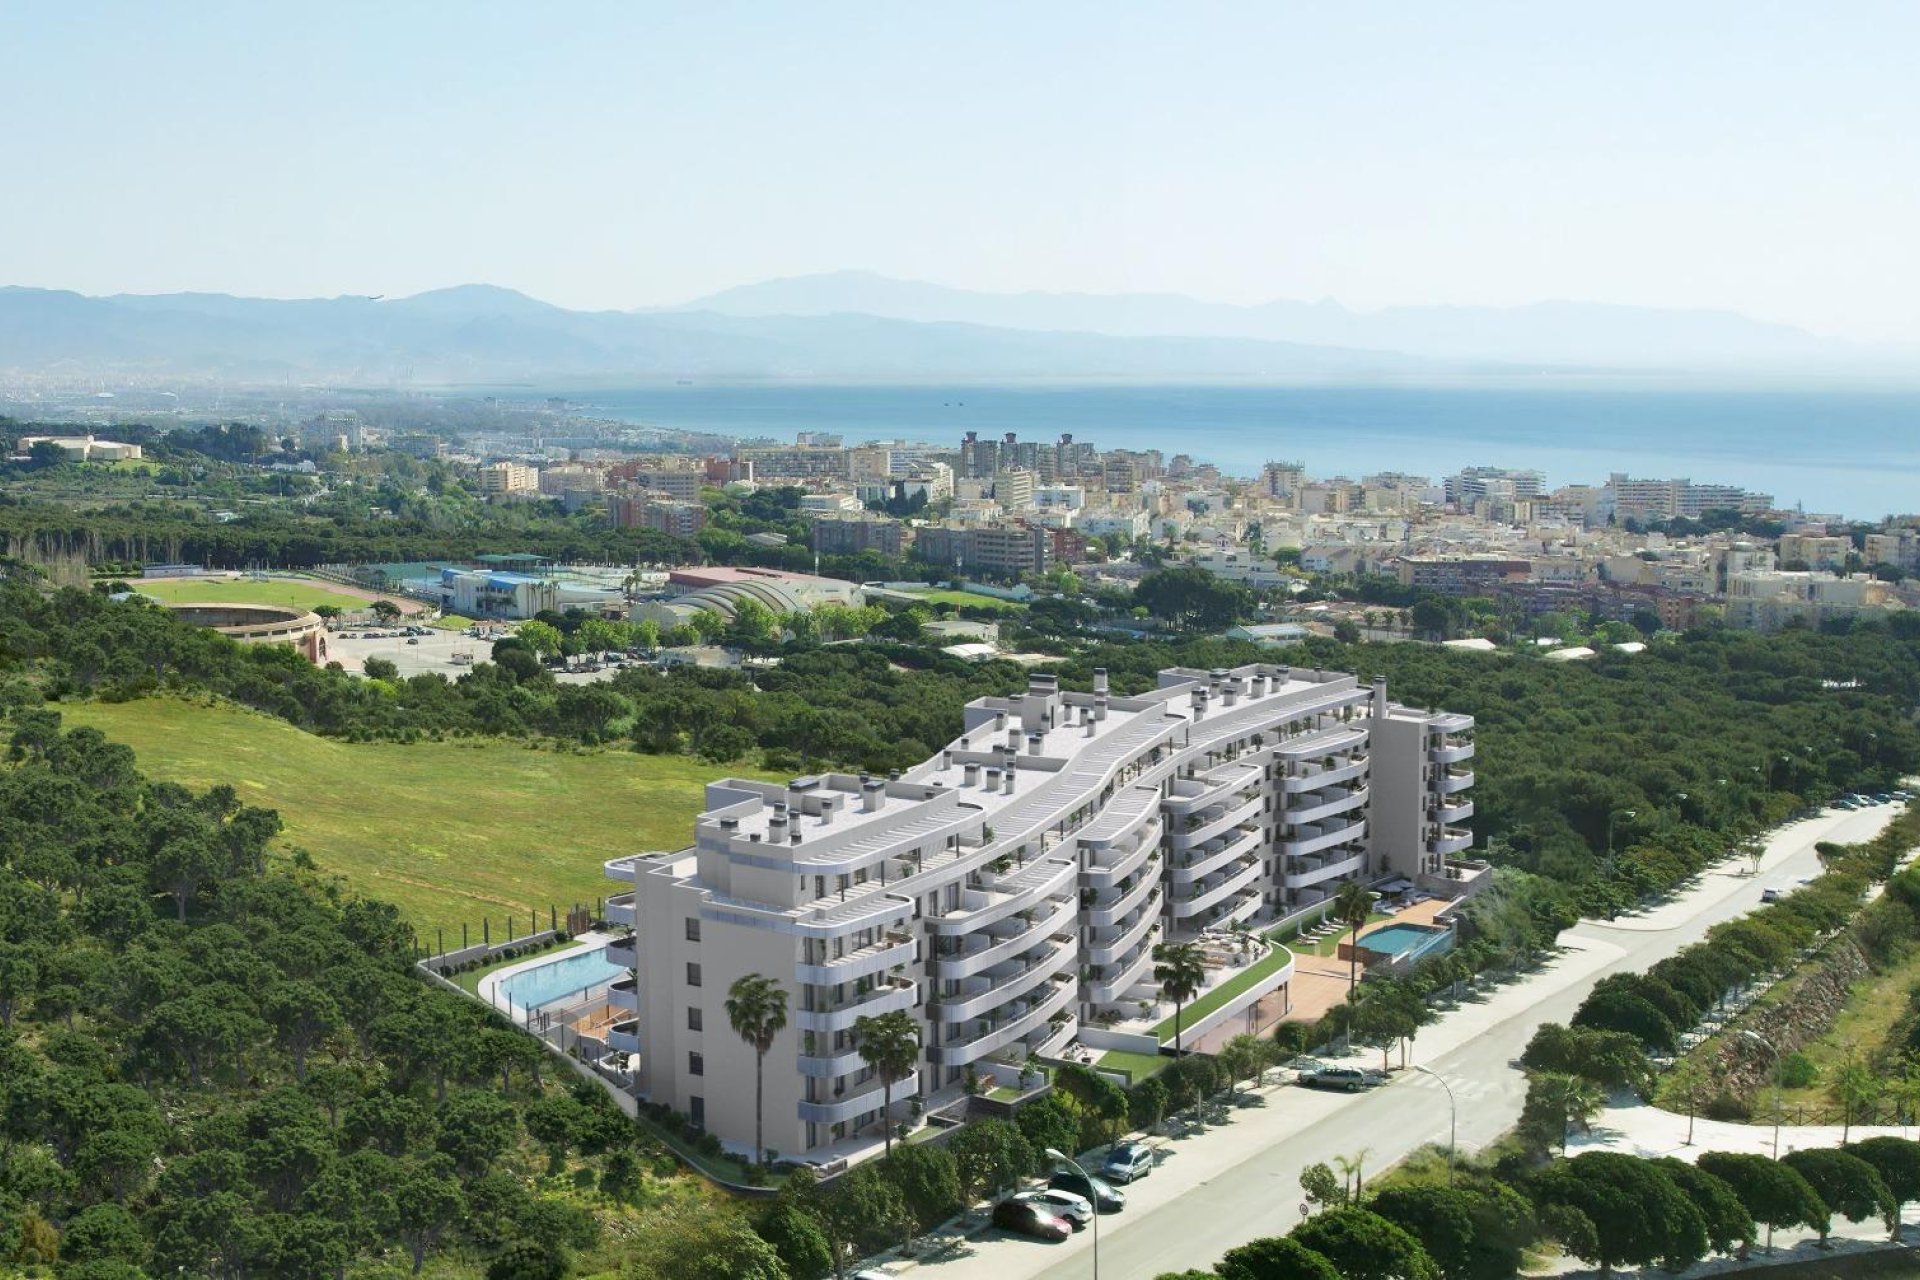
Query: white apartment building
{"x": 1009, "y": 891}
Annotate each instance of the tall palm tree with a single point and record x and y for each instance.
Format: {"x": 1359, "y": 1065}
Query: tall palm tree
{"x": 890, "y": 1044}
{"x": 1352, "y": 906}
{"x": 757, "y": 1011}
{"x": 1181, "y": 970}
{"x": 1574, "y": 1100}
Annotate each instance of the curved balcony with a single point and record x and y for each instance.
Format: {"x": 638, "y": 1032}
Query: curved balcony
{"x": 1108, "y": 950}
{"x": 833, "y": 1067}
{"x": 1209, "y": 861}
{"x": 855, "y": 1105}
{"x": 621, "y": 951}
{"x": 619, "y": 909}
{"x": 898, "y": 994}
{"x": 891, "y": 950}
{"x": 1450, "y": 841}
{"x": 1131, "y": 973}
{"x": 992, "y": 1036}
{"x": 1001, "y": 988}
{"x": 1215, "y": 826}
{"x": 1100, "y": 914}
{"x": 1457, "y": 812}
{"x": 624, "y": 994}
{"x": 1306, "y": 877}
{"x": 1101, "y": 875}
{"x": 1329, "y": 806}
{"x": 1453, "y": 780}
{"x": 1015, "y": 891}
{"x": 1308, "y": 840}
{"x": 1220, "y": 783}
{"x": 1209, "y": 895}
{"x": 1451, "y": 755}
{"x": 624, "y": 1037}
{"x": 1246, "y": 907}
{"x": 991, "y": 949}
{"x": 1325, "y": 778}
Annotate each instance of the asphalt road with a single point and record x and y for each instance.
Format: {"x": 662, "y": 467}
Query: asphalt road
{"x": 1240, "y": 1181}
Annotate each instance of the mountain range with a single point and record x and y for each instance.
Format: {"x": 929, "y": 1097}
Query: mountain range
{"x": 856, "y": 325}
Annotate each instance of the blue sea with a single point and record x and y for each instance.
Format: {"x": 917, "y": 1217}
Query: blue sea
{"x": 1846, "y": 447}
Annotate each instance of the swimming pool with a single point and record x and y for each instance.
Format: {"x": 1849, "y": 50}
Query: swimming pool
{"x": 569, "y": 975}
{"x": 1407, "y": 939}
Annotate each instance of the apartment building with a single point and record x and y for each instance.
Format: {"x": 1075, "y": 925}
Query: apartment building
{"x": 1008, "y": 892}
{"x": 843, "y": 533}
{"x": 1004, "y": 549}
{"x": 642, "y": 511}
{"x": 509, "y": 477}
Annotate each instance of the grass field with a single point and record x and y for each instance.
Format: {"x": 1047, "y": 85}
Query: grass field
{"x": 294, "y": 593}
{"x": 942, "y": 595}
{"x": 450, "y": 832}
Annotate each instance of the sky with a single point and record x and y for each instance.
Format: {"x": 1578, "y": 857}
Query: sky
{"x": 1757, "y": 157}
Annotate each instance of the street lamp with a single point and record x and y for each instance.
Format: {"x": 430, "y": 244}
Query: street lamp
{"x": 1054, "y": 1153}
{"x": 1611, "y": 817}
{"x": 1453, "y": 1116}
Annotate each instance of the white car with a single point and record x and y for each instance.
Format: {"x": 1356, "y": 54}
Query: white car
{"x": 1077, "y": 1210}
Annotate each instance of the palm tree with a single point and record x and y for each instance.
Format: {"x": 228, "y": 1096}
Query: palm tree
{"x": 757, "y": 1011}
{"x": 1181, "y": 970}
{"x": 1353, "y": 907}
{"x": 1574, "y": 1099}
{"x": 890, "y": 1044}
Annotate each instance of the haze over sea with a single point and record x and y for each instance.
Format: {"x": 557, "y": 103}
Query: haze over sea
{"x": 1844, "y": 447}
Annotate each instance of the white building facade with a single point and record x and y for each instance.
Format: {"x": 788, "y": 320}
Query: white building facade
{"x": 1010, "y": 890}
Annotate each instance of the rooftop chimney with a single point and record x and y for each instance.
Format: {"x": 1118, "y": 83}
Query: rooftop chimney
{"x": 873, "y": 795}
{"x": 969, "y": 774}
{"x": 1100, "y": 707}
{"x": 1380, "y": 696}
{"x": 1033, "y": 743}
{"x": 1006, "y": 781}
{"x": 1099, "y": 679}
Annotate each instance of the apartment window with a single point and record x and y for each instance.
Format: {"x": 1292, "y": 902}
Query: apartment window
{"x": 693, "y": 1019}
{"x": 696, "y": 1065}
{"x": 693, "y": 974}
{"x": 697, "y": 1110}
{"x": 693, "y": 928}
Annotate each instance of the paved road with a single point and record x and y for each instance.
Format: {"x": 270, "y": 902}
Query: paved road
{"x": 1241, "y": 1181}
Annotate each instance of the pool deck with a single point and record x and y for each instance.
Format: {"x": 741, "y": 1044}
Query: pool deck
{"x": 489, "y": 986}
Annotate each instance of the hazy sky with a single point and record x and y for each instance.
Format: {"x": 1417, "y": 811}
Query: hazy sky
{"x": 1754, "y": 156}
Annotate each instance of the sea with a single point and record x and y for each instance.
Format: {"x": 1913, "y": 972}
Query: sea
{"x": 1837, "y": 448}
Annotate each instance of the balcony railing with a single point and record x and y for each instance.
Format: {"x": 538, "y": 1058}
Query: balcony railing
{"x": 1450, "y": 841}
{"x": 892, "y": 949}
{"x": 1453, "y": 780}
{"x": 1311, "y": 872}
{"x": 1453, "y": 754}
{"x": 1122, "y": 864}
{"x": 1216, "y": 823}
{"x": 854, "y": 1105}
{"x": 997, "y": 991}
{"x": 991, "y": 949}
{"x": 1313, "y": 807}
{"x": 1107, "y": 950}
{"x": 619, "y": 909}
{"x": 1206, "y": 861}
{"x": 1208, "y": 895}
{"x": 1101, "y": 914}
{"x": 896, "y": 993}
{"x": 982, "y": 1036}
{"x": 1459, "y": 811}
{"x": 1313, "y": 839}
{"x": 1325, "y": 777}
{"x": 1109, "y": 989}
{"x": 623, "y": 993}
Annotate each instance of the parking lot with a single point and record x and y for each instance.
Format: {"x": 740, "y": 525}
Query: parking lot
{"x": 434, "y": 652}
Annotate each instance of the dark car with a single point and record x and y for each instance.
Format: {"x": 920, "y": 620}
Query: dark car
{"x": 1099, "y": 1194}
{"x": 1029, "y": 1219}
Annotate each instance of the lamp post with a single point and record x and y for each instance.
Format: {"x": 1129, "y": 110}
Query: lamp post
{"x": 1774, "y": 1051}
{"x": 1453, "y": 1117}
{"x": 1611, "y": 817}
{"x": 1053, "y": 1153}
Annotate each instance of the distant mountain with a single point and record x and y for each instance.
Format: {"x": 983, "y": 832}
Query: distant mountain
{"x": 478, "y": 333}
{"x": 1583, "y": 334}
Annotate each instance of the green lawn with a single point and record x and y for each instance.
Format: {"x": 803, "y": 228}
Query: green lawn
{"x": 296, "y": 594}
{"x": 450, "y": 832}
{"x": 1140, "y": 1065}
{"x": 1264, "y": 967}
{"x": 942, "y": 595}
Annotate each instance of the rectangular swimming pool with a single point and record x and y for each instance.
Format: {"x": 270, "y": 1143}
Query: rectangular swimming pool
{"x": 1406, "y": 939}
{"x": 557, "y": 979}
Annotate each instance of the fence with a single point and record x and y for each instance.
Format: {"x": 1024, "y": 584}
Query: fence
{"x": 575, "y": 920}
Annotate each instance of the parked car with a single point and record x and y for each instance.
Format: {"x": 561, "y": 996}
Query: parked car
{"x": 1028, "y": 1219}
{"x": 1351, "y": 1079}
{"x": 1127, "y": 1161}
{"x": 1100, "y": 1194}
{"x": 1062, "y": 1204}
{"x": 413, "y": 639}
{"x": 1772, "y": 893}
